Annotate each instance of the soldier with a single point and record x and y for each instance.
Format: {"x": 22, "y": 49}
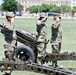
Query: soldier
{"x": 10, "y": 37}
{"x": 72, "y": 15}
{"x": 56, "y": 36}
{"x": 41, "y": 38}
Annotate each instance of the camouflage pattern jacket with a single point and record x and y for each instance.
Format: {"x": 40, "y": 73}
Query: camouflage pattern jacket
{"x": 56, "y": 36}
{"x": 41, "y": 30}
{"x": 9, "y": 33}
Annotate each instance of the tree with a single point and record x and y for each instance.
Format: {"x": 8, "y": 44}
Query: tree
{"x": 74, "y": 8}
{"x": 9, "y": 5}
{"x": 34, "y": 9}
{"x": 65, "y": 8}
{"x": 55, "y": 9}
{"x": 45, "y": 7}
{"x": 19, "y": 7}
{"x": 0, "y": 8}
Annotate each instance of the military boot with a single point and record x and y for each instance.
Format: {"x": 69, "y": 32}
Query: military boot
{"x": 54, "y": 64}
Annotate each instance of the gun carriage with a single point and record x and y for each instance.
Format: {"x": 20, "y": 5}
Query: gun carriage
{"x": 27, "y": 54}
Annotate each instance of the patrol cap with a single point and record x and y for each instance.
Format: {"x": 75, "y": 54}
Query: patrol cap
{"x": 10, "y": 14}
{"x": 43, "y": 15}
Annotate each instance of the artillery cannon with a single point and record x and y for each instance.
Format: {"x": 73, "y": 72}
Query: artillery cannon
{"x": 27, "y": 53}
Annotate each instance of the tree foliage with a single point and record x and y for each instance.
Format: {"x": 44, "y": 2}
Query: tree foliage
{"x": 9, "y": 5}
{"x": 65, "y": 8}
{"x": 45, "y": 8}
{"x": 0, "y": 8}
{"x": 19, "y": 7}
{"x": 74, "y": 9}
{"x": 55, "y": 9}
{"x": 34, "y": 9}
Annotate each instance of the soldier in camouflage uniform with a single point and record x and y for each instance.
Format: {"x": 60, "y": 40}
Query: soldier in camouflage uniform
{"x": 56, "y": 36}
{"x": 10, "y": 37}
{"x": 41, "y": 38}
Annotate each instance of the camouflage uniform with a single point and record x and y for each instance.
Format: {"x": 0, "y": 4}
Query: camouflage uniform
{"x": 10, "y": 38}
{"x": 56, "y": 37}
{"x": 41, "y": 38}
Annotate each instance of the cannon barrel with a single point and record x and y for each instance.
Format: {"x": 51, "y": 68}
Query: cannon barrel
{"x": 26, "y": 37}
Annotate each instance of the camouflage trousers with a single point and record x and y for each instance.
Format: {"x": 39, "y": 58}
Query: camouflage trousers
{"x": 41, "y": 49}
{"x": 9, "y": 50}
{"x": 56, "y": 47}
{"x": 41, "y": 52}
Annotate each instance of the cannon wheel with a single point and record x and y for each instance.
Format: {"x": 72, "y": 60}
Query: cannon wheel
{"x": 25, "y": 53}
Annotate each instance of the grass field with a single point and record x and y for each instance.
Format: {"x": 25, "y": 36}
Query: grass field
{"x": 68, "y": 41}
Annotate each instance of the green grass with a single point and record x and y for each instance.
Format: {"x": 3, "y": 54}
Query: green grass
{"x": 68, "y": 40}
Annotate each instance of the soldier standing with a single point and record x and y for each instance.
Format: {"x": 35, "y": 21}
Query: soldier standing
{"x": 56, "y": 36}
{"x": 72, "y": 15}
{"x": 10, "y": 38}
{"x": 41, "y": 38}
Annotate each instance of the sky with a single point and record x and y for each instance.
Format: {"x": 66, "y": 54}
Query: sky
{"x": 0, "y": 2}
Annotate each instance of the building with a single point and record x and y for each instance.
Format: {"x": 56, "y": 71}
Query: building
{"x": 73, "y": 3}
{"x": 28, "y": 3}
